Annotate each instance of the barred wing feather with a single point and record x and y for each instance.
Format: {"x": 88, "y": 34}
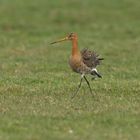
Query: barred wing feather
{"x": 90, "y": 58}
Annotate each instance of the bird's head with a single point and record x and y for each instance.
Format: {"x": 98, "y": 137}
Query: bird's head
{"x": 71, "y": 36}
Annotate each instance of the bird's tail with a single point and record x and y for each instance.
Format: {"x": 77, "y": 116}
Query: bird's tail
{"x": 95, "y": 72}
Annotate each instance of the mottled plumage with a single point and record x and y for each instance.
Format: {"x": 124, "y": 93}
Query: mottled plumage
{"x": 90, "y": 58}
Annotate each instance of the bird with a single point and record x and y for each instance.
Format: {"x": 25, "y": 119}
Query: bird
{"x": 83, "y": 62}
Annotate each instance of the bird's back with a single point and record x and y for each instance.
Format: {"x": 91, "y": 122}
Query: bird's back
{"x": 90, "y": 58}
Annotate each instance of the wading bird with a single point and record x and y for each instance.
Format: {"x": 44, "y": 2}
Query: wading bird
{"x": 82, "y": 62}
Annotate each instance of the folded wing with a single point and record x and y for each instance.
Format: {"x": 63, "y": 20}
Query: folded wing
{"x": 90, "y": 58}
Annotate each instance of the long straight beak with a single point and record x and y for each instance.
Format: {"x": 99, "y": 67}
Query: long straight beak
{"x": 60, "y": 40}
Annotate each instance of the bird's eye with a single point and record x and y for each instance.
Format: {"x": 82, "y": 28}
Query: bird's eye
{"x": 71, "y": 35}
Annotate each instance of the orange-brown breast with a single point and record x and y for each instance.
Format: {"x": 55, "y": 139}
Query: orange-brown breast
{"x": 77, "y": 65}
{"x": 76, "y": 60}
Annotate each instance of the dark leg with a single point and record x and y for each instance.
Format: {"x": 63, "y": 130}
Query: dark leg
{"x": 89, "y": 86}
{"x": 77, "y": 88}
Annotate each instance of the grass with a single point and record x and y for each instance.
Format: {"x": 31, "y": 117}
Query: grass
{"x": 36, "y": 82}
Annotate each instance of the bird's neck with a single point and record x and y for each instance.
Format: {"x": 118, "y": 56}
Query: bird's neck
{"x": 75, "y": 50}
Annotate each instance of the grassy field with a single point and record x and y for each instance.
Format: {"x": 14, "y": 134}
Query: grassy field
{"x": 36, "y": 82}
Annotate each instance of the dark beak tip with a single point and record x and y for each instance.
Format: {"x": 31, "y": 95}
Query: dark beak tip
{"x": 52, "y": 43}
